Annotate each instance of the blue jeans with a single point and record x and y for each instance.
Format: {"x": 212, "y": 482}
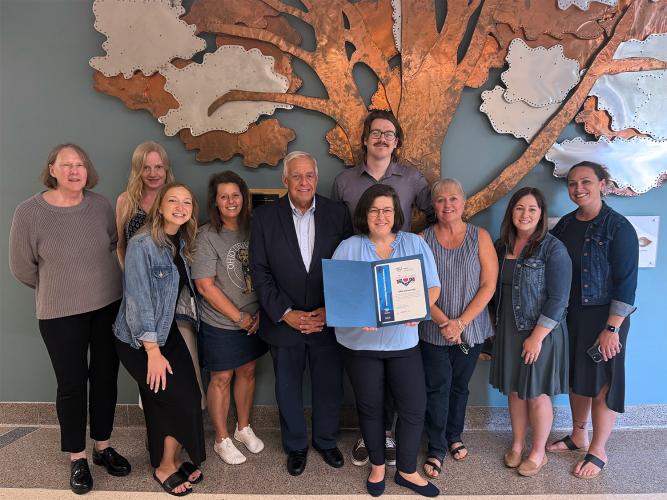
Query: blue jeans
{"x": 448, "y": 371}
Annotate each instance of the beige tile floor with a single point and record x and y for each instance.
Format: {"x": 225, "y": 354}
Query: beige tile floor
{"x": 31, "y": 466}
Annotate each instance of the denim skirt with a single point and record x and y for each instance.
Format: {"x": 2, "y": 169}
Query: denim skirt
{"x": 221, "y": 350}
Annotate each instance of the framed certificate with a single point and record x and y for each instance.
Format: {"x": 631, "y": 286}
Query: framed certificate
{"x": 375, "y": 294}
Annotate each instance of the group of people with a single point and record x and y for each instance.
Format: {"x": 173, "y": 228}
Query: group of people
{"x": 152, "y": 290}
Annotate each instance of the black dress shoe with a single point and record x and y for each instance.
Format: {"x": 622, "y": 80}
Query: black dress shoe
{"x": 115, "y": 463}
{"x": 80, "y": 479}
{"x": 296, "y": 461}
{"x": 333, "y": 457}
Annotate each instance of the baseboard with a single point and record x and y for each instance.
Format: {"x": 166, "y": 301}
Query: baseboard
{"x": 478, "y": 418}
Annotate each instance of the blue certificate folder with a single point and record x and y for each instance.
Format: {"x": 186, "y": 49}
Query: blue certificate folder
{"x": 358, "y": 294}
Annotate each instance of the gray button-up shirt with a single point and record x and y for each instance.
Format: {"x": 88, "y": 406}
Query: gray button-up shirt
{"x": 409, "y": 183}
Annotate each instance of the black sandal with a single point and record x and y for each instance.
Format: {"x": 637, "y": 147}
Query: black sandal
{"x": 434, "y": 467}
{"x": 457, "y": 450}
{"x": 598, "y": 462}
{"x": 567, "y": 441}
{"x": 173, "y": 482}
{"x": 188, "y": 468}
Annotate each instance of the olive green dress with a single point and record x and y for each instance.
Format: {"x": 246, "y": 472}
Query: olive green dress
{"x": 548, "y": 375}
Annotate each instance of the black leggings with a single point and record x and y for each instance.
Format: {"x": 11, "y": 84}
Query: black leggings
{"x": 403, "y": 373}
{"x": 67, "y": 340}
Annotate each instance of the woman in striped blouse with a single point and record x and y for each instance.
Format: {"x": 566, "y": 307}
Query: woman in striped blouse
{"x": 452, "y": 341}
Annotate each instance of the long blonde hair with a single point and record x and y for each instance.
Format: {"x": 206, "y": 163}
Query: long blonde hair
{"x": 188, "y": 231}
{"x": 135, "y": 186}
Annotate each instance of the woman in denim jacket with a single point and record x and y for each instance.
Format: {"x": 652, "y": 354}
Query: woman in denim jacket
{"x": 605, "y": 253}
{"x": 157, "y": 290}
{"x": 530, "y": 359}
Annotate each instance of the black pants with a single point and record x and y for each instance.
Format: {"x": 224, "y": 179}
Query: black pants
{"x": 67, "y": 340}
{"x": 448, "y": 371}
{"x": 326, "y": 376}
{"x": 402, "y": 372}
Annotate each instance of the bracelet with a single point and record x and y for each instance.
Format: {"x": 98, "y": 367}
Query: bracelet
{"x": 462, "y": 325}
{"x": 442, "y": 325}
{"x": 241, "y": 318}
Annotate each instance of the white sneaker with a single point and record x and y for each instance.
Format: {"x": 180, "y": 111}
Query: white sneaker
{"x": 248, "y": 438}
{"x": 228, "y": 452}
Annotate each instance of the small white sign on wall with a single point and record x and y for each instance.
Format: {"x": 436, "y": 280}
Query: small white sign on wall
{"x": 647, "y": 232}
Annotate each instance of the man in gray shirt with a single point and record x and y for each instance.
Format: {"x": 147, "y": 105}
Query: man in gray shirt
{"x": 381, "y": 139}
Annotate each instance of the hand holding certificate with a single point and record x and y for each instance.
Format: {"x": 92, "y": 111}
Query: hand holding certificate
{"x": 375, "y": 294}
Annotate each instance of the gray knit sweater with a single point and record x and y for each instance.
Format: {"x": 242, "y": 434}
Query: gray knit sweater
{"x": 66, "y": 254}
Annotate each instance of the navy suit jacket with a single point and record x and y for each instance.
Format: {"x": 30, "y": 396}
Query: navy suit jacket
{"x": 279, "y": 276}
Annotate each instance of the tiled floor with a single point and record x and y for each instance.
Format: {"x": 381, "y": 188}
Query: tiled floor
{"x": 30, "y": 459}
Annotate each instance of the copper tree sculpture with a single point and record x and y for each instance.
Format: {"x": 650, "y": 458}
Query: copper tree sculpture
{"x": 435, "y": 64}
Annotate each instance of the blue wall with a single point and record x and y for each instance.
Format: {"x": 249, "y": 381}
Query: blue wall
{"x": 47, "y": 97}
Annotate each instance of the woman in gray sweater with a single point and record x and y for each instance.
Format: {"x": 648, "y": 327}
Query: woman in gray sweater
{"x": 62, "y": 244}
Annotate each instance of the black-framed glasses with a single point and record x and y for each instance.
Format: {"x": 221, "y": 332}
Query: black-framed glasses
{"x": 390, "y": 135}
{"x": 465, "y": 347}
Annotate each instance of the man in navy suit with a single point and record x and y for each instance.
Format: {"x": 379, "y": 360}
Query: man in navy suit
{"x": 289, "y": 239}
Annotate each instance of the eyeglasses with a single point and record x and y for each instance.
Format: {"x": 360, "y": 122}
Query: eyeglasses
{"x": 465, "y": 347}
{"x": 390, "y": 135}
{"x": 375, "y": 212}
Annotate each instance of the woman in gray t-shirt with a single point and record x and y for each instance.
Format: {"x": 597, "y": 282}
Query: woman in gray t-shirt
{"x": 229, "y": 319}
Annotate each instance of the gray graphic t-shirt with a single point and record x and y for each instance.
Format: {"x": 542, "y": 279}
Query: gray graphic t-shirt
{"x": 225, "y": 257}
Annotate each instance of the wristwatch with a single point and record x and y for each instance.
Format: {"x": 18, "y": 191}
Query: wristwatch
{"x": 611, "y": 328}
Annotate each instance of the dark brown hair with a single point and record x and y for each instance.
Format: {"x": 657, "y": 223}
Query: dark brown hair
{"x": 360, "y": 218}
{"x": 601, "y": 172}
{"x": 52, "y": 183}
{"x": 381, "y": 114}
{"x": 228, "y": 177}
{"x": 507, "y": 229}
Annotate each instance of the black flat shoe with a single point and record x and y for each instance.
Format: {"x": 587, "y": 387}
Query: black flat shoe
{"x": 375, "y": 489}
{"x": 115, "y": 463}
{"x": 296, "y": 461}
{"x": 80, "y": 479}
{"x": 428, "y": 490}
{"x": 332, "y": 456}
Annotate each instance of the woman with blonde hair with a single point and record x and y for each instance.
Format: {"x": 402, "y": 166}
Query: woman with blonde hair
{"x": 150, "y": 171}
{"x": 157, "y": 290}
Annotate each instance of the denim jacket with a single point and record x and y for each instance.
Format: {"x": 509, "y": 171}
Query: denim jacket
{"x": 540, "y": 285}
{"x": 609, "y": 261}
{"x": 150, "y": 288}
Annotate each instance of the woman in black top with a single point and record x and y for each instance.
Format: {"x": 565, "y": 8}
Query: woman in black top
{"x": 604, "y": 250}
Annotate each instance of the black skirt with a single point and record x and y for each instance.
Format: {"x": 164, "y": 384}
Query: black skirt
{"x": 587, "y": 378}
{"x": 175, "y": 411}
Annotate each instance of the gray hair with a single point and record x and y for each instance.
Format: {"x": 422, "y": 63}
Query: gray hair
{"x": 297, "y": 154}
{"x": 445, "y": 182}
